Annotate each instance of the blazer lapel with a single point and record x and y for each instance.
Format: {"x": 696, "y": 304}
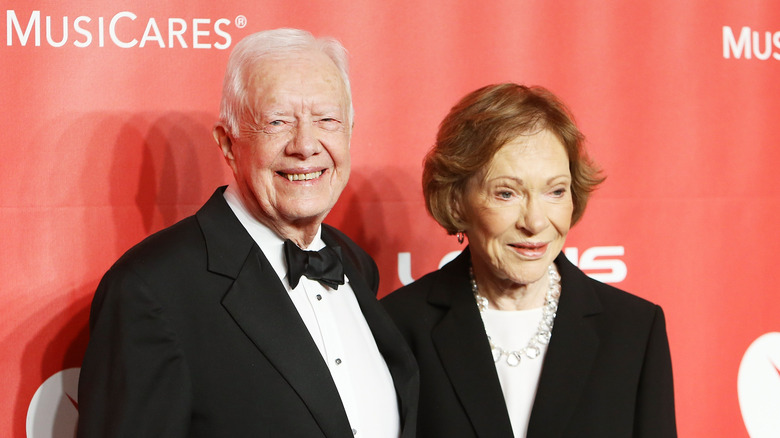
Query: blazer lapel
{"x": 465, "y": 354}
{"x": 260, "y": 305}
{"x": 397, "y": 355}
{"x": 570, "y": 355}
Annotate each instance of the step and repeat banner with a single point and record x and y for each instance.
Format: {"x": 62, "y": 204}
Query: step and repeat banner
{"x": 107, "y": 110}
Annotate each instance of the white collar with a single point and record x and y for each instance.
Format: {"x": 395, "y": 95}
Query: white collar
{"x": 269, "y": 242}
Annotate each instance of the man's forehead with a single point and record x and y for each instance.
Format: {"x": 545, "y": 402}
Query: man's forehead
{"x": 283, "y": 100}
{"x": 310, "y": 87}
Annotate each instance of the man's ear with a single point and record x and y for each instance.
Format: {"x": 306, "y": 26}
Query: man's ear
{"x": 225, "y": 143}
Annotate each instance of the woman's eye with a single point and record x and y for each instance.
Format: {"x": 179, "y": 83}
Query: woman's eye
{"x": 559, "y": 192}
{"x": 505, "y": 194}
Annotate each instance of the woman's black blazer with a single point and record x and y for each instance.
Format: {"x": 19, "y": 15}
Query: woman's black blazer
{"x": 607, "y": 371}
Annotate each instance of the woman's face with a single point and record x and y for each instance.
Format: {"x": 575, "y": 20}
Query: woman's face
{"x": 518, "y": 211}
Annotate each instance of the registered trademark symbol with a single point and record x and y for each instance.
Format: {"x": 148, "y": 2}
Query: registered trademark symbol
{"x": 241, "y": 22}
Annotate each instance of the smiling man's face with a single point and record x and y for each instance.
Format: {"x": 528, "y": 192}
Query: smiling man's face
{"x": 291, "y": 158}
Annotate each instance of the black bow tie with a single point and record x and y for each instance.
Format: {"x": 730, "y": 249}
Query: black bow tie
{"x": 323, "y": 265}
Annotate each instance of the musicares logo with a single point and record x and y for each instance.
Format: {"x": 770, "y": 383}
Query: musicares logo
{"x": 54, "y": 409}
{"x": 758, "y": 386}
{"x": 122, "y": 30}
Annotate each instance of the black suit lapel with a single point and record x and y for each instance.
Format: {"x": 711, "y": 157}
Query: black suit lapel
{"x": 260, "y": 305}
{"x": 462, "y": 345}
{"x": 570, "y": 355}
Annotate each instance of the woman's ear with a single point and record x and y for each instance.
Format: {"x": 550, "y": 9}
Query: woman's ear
{"x": 457, "y": 212}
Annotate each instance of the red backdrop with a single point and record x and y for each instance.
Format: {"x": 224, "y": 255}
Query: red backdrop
{"x": 107, "y": 108}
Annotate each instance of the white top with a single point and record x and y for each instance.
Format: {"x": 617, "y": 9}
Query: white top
{"x": 511, "y": 330}
{"x": 337, "y": 326}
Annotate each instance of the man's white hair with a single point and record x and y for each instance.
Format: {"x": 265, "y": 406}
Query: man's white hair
{"x": 267, "y": 44}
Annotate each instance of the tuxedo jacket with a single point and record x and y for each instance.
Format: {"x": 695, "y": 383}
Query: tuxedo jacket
{"x": 607, "y": 371}
{"x": 192, "y": 334}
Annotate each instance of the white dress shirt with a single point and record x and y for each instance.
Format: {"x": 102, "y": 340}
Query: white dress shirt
{"x": 339, "y": 329}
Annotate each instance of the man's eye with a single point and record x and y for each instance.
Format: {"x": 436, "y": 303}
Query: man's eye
{"x": 329, "y": 123}
{"x": 277, "y": 127}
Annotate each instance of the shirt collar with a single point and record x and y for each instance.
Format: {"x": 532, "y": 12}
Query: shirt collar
{"x": 269, "y": 242}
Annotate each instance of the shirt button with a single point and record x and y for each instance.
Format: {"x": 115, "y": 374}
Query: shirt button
{"x": 319, "y": 297}
{"x": 338, "y": 361}
{"x": 354, "y": 431}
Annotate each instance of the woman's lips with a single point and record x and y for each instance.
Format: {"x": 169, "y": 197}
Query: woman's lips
{"x": 530, "y": 250}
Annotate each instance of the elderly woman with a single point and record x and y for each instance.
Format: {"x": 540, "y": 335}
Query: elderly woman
{"x": 511, "y": 338}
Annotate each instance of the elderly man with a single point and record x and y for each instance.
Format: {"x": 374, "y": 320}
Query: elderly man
{"x": 222, "y": 325}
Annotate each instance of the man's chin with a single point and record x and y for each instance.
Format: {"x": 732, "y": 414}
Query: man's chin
{"x": 305, "y": 217}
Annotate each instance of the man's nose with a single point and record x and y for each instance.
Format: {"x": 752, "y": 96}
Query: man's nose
{"x": 304, "y": 142}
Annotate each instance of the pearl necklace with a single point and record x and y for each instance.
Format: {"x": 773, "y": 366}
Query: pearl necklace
{"x": 543, "y": 332}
